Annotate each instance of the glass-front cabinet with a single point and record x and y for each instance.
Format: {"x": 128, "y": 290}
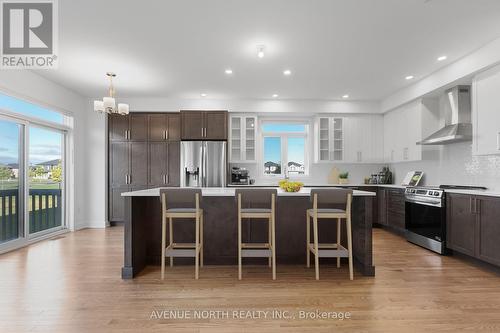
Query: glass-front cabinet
{"x": 242, "y": 141}
{"x": 330, "y": 142}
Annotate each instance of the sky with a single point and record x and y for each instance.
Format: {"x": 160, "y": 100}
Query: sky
{"x": 44, "y": 145}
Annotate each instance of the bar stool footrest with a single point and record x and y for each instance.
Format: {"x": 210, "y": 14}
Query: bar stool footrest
{"x": 256, "y": 253}
{"x": 330, "y": 251}
{"x": 184, "y": 253}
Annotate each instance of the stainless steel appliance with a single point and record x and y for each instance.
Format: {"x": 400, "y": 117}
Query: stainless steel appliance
{"x": 239, "y": 176}
{"x": 203, "y": 164}
{"x": 458, "y": 126}
{"x": 425, "y": 217}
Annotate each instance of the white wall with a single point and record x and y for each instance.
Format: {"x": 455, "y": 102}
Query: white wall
{"x": 36, "y": 89}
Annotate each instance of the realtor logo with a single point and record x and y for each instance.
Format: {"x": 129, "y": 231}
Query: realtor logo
{"x": 29, "y": 34}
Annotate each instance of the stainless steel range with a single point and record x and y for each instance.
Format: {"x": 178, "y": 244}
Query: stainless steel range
{"x": 425, "y": 217}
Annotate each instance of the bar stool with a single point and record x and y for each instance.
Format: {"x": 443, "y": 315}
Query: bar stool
{"x": 181, "y": 203}
{"x": 257, "y": 204}
{"x": 328, "y": 198}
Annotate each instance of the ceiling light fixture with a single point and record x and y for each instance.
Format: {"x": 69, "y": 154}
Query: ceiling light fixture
{"x": 409, "y": 77}
{"x": 345, "y": 96}
{"x": 275, "y": 95}
{"x": 229, "y": 71}
{"x": 203, "y": 95}
{"x": 260, "y": 51}
{"x": 287, "y": 72}
{"x": 441, "y": 58}
{"x": 108, "y": 104}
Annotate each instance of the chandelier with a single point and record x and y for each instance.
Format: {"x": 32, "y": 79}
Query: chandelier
{"x": 108, "y": 104}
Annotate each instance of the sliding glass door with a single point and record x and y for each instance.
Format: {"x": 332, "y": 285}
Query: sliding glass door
{"x": 11, "y": 191}
{"x": 46, "y": 179}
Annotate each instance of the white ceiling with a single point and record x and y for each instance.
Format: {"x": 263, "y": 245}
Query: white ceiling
{"x": 179, "y": 49}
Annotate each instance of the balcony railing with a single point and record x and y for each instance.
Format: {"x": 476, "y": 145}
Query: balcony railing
{"x": 44, "y": 211}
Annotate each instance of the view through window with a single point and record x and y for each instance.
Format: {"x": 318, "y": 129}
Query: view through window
{"x": 284, "y": 148}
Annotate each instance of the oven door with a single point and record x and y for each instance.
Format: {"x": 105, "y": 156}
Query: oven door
{"x": 426, "y": 220}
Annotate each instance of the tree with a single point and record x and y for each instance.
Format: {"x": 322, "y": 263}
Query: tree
{"x": 5, "y": 173}
{"x": 56, "y": 174}
{"x": 36, "y": 171}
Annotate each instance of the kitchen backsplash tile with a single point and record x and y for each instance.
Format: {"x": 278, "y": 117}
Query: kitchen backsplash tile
{"x": 448, "y": 164}
{"x": 453, "y": 164}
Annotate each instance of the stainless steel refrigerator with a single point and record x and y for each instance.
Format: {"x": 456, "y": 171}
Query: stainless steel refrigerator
{"x": 203, "y": 164}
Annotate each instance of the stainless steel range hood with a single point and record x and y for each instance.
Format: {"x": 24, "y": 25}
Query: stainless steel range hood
{"x": 459, "y": 127}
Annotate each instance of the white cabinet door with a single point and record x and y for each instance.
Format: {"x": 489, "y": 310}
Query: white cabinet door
{"x": 235, "y": 141}
{"x": 243, "y": 139}
{"x": 486, "y": 112}
{"x": 377, "y": 139}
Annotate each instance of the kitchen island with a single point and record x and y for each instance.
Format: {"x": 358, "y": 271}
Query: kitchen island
{"x": 143, "y": 229}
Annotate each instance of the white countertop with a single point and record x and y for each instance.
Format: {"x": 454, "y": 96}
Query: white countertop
{"x": 230, "y": 192}
{"x": 326, "y": 185}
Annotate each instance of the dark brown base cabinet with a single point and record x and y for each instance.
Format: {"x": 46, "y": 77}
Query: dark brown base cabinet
{"x": 144, "y": 152}
{"x": 391, "y": 209}
{"x": 473, "y": 226}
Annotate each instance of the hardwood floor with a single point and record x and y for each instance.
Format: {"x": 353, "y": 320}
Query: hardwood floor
{"x": 72, "y": 284}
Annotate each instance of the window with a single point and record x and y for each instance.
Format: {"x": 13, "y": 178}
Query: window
{"x": 32, "y": 172}
{"x": 284, "y": 148}
{"x": 19, "y": 106}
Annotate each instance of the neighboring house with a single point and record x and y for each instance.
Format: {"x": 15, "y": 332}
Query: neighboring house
{"x": 297, "y": 168}
{"x": 14, "y": 167}
{"x": 271, "y": 167}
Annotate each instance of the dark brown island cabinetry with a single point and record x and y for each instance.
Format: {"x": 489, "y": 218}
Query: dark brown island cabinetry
{"x": 204, "y": 125}
{"x": 144, "y": 152}
{"x": 473, "y": 226}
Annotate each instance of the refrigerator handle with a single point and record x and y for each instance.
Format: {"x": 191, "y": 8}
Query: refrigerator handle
{"x": 204, "y": 164}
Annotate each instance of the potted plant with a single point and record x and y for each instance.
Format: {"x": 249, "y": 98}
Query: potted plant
{"x": 344, "y": 177}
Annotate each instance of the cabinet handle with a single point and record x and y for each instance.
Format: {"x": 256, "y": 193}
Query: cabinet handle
{"x": 498, "y": 141}
{"x": 166, "y": 134}
{"x": 470, "y": 205}
{"x": 202, "y": 132}
{"x": 130, "y": 179}
{"x": 166, "y": 179}
{"x": 205, "y": 132}
{"x": 126, "y": 178}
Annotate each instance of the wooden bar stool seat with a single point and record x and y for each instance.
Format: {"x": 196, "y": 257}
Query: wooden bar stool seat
{"x": 329, "y": 250}
{"x": 171, "y": 200}
{"x": 257, "y": 250}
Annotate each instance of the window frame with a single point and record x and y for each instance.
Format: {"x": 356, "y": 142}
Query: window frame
{"x": 284, "y": 144}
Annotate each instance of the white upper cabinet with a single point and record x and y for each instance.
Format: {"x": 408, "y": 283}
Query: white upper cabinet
{"x": 486, "y": 112}
{"x": 403, "y": 128}
{"x": 242, "y": 140}
{"x": 402, "y": 131}
{"x": 350, "y": 139}
{"x": 330, "y": 139}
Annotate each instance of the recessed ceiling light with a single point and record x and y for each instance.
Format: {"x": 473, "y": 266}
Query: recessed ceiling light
{"x": 203, "y": 95}
{"x": 260, "y": 51}
{"x": 228, "y": 71}
{"x": 409, "y": 77}
{"x": 345, "y": 96}
{"x": 275, "y": 95}
{"x": 287, "y": 72}
{"x": 441, "y": 58}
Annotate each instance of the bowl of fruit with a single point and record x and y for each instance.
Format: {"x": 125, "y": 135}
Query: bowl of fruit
{"x": 289, "y": 186}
